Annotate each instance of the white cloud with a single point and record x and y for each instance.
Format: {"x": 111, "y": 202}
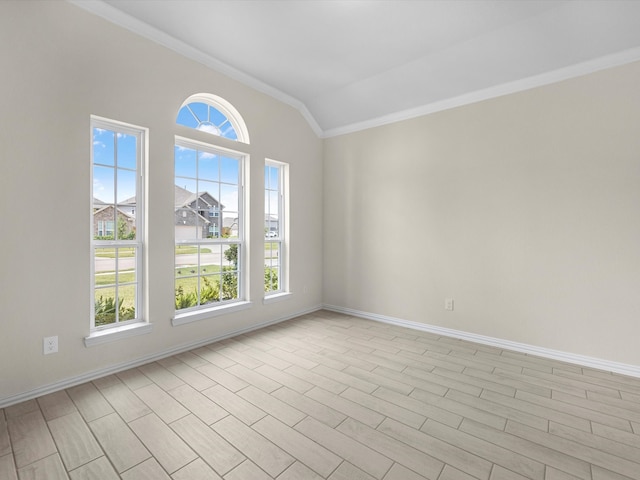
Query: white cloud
{"x": 209, "y": 128}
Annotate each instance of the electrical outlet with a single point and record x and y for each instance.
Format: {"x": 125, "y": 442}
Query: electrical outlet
{"x": 448, "y": 304}
{"x": 50, "y": 345}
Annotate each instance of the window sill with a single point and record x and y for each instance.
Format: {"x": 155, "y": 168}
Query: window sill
{"x": 189, "y": 317}
{"x": 117, "y": 333}
{"x": 276, "y": 297}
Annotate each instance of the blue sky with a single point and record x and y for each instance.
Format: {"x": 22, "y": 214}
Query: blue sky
{"x": 206, "y": 118}
{"x": 108, "y": 166}
{"x": 199, "y": 171}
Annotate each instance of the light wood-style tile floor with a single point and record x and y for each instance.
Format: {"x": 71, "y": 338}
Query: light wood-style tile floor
{"x": 328, "y": 396}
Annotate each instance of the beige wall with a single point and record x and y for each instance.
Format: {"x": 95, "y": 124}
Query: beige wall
{"x": 61, "y": 64}
{"x": 524, "y": 209}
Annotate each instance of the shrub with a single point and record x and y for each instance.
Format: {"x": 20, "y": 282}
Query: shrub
{"x": 270, "y": 279}
{"x": 105, "y": 311}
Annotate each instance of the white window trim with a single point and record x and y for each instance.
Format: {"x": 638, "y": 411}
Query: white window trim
{"x": 276, "y": 297}
{"x": 117, "y": 333}
{"x": 283, "y": 235}
{"x": 107, "y": 333}
{"x": 229, "y": 306}
{"x": 226, "y": 108}
{"x": 204, "y": 313}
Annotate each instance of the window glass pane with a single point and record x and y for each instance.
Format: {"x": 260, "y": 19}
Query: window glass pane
{"x": 186, "y": 292}
{"x": 103, "y": 185}
{"x": 229, "y": 286}
{"x": 185, "y": 225}
{"x": 274, "y": 203}
{"x": 103, "y": 141}
{"x": 230, "y": 256}
{"x": 230, "y": 225}
{"x": 104, "y": 267}
{"x": 200, "y": 110}
{"x": 229, "y": 170}
{"x": 209, "y": 289}
{"x": 208, "y": 166}
{"x": 229, "y": 198}
{"x": 126, "y": 151}
{"x": 217, "y": 118}
{"x": 103, "y": 223}
{"x": 274, "y": 178}
{"x": 126, "y": 263}
{"x": 186, "y": 260}
{"x": 185, "y": 162}
{"x": 210, "y": 259}
{"x": 126, "y": 186}
{"x": 125, "y": 226}
{"x": 104, "y": 306}
{"x": 186, "y": 118}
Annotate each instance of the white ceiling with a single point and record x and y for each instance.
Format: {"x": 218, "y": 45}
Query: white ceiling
{"x": 349, "y": 65}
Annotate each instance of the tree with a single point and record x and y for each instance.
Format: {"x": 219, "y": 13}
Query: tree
{"x": 231, "y": 254}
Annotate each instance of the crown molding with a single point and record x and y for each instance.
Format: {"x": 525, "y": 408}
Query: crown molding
{"x": 113, "y": 15}
{"x": 566, "y": 73}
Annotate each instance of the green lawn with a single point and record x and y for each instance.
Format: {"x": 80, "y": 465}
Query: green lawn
{"x": 125, "y": 252}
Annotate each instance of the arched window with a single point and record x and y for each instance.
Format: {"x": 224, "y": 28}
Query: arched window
{"x": 209, "y": 210}
{"x": 212, "y": 114}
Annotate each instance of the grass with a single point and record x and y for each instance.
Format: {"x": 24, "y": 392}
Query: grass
{"x": 188, "y": 250}
{"x": 124, "y": 252}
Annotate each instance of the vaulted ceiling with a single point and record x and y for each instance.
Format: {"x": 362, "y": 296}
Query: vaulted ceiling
{"x": 353, "y": 64}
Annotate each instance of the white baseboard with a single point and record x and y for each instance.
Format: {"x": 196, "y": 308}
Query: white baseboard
{"x": 89, "y": 376}
{"x": 581, "y": 360}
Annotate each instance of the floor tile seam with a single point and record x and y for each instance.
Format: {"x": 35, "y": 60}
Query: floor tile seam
{"x": 529, "y": 456}
{"x": 331, "y": 394}
{"x": 587, "y": 416}
{"x": 17, "y": 469}
{"x": 624, "y": 415}
{"x": 635, "y": 389}
{"x": 620, "y": 403}
{"x": 617, "y": 429}
{"x": 13, "y": 450}
{"x": 115, "y": 412}
{"x": 578, "y": 385}
{"x": 479, "y": 382}
{"x": 85, "y": 423}
{"x": 263, "y": 411}
{"x": 282, "y": 447}
{"x": 190, "y": 447}
{"x": 374, "y": 376}
{"x": 390, "y": 439}
{"x": 600, "y": 450}
{"x": 333, "y": 379}
{"x": 528, "y": 411}
{"x": 432, "y": 455}
{"x": 428, "y": 406}
{"x": 253, "y": 384}
{"x": 390, "y": 405}
{"x": 481, "y": 361}
{"x": 482, "y": 456}
{"x": 592, "y": 461}
{"x": 340, "y": 455}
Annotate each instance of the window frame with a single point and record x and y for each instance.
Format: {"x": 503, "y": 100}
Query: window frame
{"x": 282, "y": 238}
{"x": 198, "y": 312}
{"x": 129, "y": 327}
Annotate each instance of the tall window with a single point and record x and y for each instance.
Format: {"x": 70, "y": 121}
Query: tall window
{"x": 116, "y": 236}
{"x": 209, "y": 209}
{"x": 274, "y": 227}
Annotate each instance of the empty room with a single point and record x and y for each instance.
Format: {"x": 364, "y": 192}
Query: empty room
{"x": 305, "y": 240}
